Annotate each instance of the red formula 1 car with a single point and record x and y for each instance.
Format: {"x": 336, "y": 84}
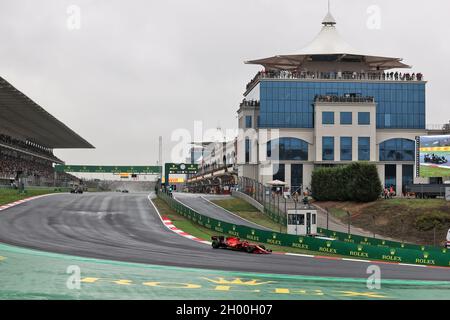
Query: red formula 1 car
{"x": 237, "y": 244}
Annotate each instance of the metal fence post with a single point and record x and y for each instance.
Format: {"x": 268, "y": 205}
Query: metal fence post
{"x": 328, "y": 218}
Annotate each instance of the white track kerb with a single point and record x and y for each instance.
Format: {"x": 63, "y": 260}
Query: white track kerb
{"x": 18, "y": 202}
{"x": 169, "y": 225}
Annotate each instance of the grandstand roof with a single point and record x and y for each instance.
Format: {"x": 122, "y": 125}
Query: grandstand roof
{"x": 21, "y": 117}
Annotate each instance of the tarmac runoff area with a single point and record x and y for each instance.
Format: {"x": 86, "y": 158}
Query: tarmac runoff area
{"x": 124, "y": 251}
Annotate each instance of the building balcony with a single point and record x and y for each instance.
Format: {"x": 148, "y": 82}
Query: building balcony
{"x": 212, "y": 171}
{"x": 249, "y": 103}
{"x": 343, "y": 99}
{"x": 334, "y": 76}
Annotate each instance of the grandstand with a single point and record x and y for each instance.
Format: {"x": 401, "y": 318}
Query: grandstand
{"x": 28, "y": 136}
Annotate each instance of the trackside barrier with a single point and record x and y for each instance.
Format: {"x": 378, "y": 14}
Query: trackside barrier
{"x": 344, "y": 248}
{"x": 351, "y": 238}
{"x": 256, "y": 193}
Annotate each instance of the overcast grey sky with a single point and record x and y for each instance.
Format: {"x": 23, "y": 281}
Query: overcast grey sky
{"x": 142, "y": 68}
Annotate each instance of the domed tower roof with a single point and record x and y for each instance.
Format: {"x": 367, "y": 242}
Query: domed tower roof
{"x": 328, "y": 46}
{"x": 329, "y": 19}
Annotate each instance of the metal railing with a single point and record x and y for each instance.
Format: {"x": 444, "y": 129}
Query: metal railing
{"x": 274, "y": 203}
{"x": 317, "y": 75}
{"x": 343, "y": 99}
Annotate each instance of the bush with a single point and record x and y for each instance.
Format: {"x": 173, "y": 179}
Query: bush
{"x": 355, "y": 182}
{"x": 427, "y": 222}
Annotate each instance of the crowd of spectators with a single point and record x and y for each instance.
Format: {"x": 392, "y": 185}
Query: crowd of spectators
{"x": 380, "y": 76}
{"x": 12, "y": 162}
{"x": 250, "y": 103}
{"x": 344, "y": 99}
{"x": 26, "y": 145}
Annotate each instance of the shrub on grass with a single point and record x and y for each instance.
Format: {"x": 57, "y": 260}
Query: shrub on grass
{"x": 355, "y": 182}
{"x": 426, "y": 222}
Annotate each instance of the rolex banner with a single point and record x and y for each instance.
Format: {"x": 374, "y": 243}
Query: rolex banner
{"x": 433, "y": 257}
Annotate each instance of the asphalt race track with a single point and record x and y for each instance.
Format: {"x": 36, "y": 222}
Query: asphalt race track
{"x": 199, "y": 204}
{"x": 126, "y": 227}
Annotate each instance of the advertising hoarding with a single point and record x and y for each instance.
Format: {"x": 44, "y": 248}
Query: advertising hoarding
{"x": 434, "y": 156}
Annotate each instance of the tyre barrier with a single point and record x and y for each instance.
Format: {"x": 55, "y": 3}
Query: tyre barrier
{"x": 337, "y": 246}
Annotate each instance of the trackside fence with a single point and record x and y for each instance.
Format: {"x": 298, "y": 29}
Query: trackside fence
{"x": 338, "y": 246}
{"x": 351, "y": 238}
{"x": 272, "y": 209}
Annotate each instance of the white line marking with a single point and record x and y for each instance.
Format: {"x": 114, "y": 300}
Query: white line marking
{"x": 357, "y": 260}
{"x": 299, "y": 255}
{"x": 412, "y": 265}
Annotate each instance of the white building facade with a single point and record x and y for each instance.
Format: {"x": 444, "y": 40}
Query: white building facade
{"x": 330, "y": 105}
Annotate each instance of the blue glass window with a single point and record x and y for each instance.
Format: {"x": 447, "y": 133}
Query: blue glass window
{"x": 346, "y": 118}
{"x": 279, "y": 172}
{"x": 288, "y": 149}
{"x": 296, "y": 177}
{"x": 328, "y": 148}
{"x": 364, "y": 149}
{"x": 327, "y": 117}
{"x": 247, "y": 150}
{"x": 363, "y": 118}
{"x": 346, "y": 148}
{"x": 248, "y": 121}
{"x": 289, "y": 104}
{"x": 397, "y": 150}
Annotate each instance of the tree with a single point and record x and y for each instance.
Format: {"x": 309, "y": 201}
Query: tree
{"x": 355, "y": 182}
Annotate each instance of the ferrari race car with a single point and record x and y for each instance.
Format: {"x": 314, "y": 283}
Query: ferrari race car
{"x": 237, "y": 244}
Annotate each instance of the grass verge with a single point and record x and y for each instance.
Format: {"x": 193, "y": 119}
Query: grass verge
{"x": 204, "y": 233}
{"x": 409, "y": 220}
{"x": 11, "y": 195}
{"x": 249, "y": 212}
{"x": 428, "y": 171}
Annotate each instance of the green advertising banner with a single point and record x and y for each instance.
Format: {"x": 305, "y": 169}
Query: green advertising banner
{"x": 338, "y": 247}
{"x": 109, "y": 169}
{"x": 345, "y": 237}
{"x": 181, "y": 168}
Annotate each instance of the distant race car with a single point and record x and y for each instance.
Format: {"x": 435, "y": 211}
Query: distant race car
{"x": 237, "y": 244}
{"x": 76, "y": 190}
{"x": 124, "y": 191}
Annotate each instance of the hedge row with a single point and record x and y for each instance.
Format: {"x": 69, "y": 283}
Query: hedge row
{"x": 355, "y": 182}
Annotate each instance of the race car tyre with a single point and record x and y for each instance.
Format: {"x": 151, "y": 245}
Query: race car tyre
{"x": 215, "y": 244}
{"x": 250, "y": 249}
